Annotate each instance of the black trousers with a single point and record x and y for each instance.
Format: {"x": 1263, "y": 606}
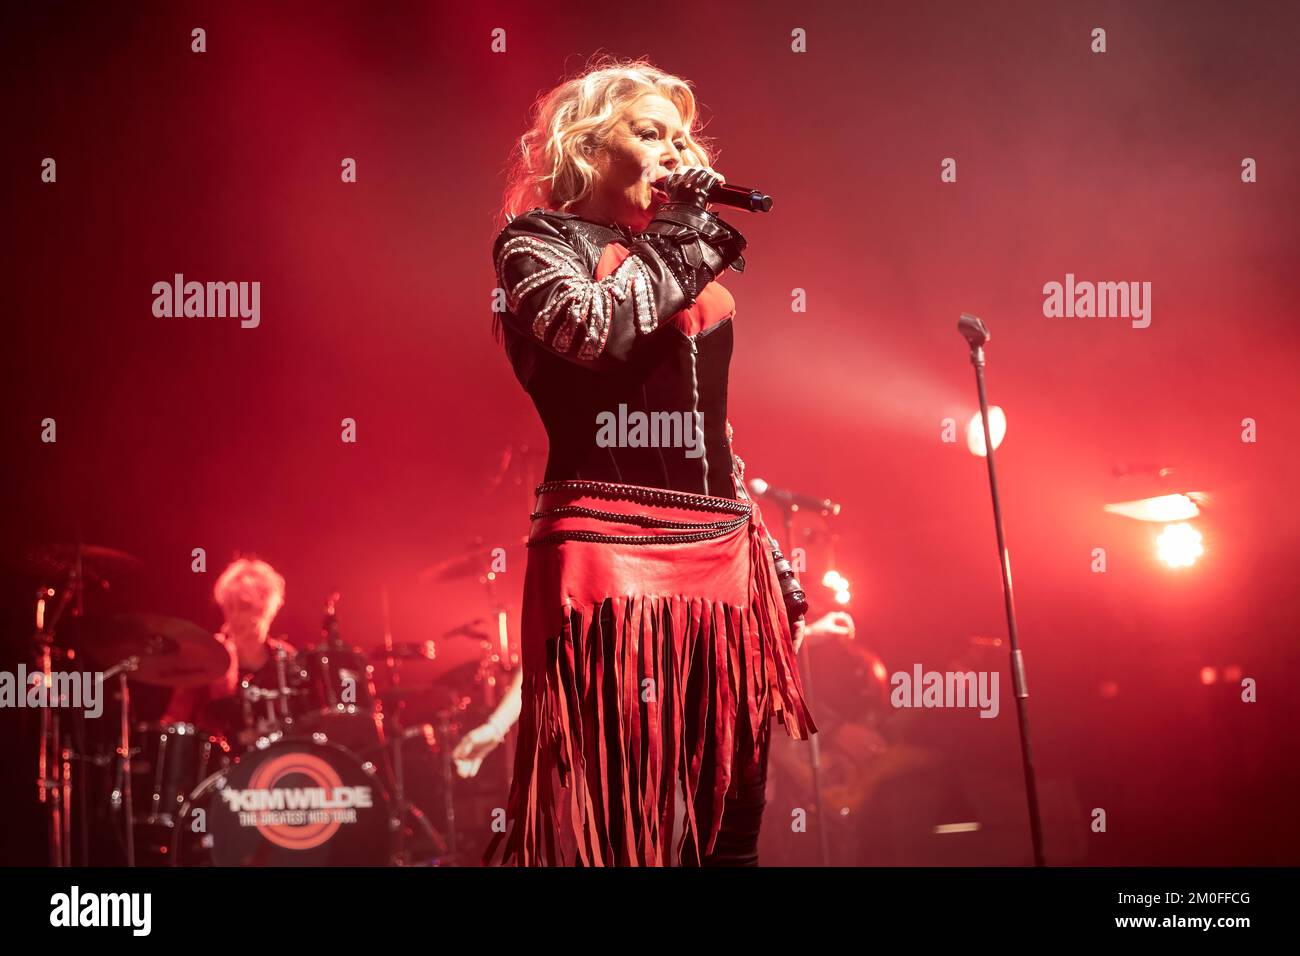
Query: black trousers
{"x": 746, "y": 797}
{"x": 742, "y": 815}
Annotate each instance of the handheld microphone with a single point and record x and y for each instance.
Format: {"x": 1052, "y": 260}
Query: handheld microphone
{"x": 739, "y": 197}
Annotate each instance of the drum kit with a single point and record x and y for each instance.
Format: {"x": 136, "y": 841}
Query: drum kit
{"x": 325, "y": 756}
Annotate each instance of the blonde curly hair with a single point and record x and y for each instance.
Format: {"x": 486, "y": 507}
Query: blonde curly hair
{"x": 552, "y": 165}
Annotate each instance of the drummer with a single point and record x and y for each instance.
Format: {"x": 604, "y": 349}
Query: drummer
{"x": 250, "y": 593}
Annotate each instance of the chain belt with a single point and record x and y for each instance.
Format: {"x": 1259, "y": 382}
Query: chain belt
{"x": 692, "y": 530}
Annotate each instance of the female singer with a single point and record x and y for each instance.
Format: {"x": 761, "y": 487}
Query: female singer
{"x": 655, "y": 644}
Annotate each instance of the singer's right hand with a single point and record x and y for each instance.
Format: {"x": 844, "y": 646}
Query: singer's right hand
{"x": 691, "y": 185}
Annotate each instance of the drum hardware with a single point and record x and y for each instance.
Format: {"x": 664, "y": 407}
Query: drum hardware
{"x": 474, "y": 685}
{"x": 443, "y": 730}
{"x": 267, "y": 709}
{"x": 404, "y": 807}
{"x": 156, "y": 650}
{"x": 322, "y": 706}
{"x": 54, "y": 763}
{"x": 174, "y": 758}
{"x": 337, "y": 682}
{"x": 167, "y": 761}
{"x": 120, "y": 671}
{"x": 440, "y": 699}
{"x": 76, "y": 564}
{"x": 476, "y": 561}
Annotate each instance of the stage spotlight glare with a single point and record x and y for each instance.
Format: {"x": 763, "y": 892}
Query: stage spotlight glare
{"x": 834, "y": 580}
{"x": 975, "y": 431}
{"x": 1179, "y": 545}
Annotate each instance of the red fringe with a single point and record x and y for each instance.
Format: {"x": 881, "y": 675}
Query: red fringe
{"x": 600, "y": 750}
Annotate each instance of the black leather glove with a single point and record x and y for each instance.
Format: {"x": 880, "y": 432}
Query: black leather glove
{"x": 690, "y": 185}
{"x": 698, "y": 244}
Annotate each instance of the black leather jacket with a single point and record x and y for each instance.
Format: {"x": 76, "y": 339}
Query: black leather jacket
{"x": 592, "y": 354}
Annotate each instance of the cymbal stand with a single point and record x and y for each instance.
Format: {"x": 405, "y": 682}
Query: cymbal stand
{"x": 122, "y": 795}
{"x": 54, "y": 763}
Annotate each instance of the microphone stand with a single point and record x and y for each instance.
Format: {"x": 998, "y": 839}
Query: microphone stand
{"x": 976, "y": 334}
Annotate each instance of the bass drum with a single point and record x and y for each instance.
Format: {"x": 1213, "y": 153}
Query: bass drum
{"x": 293, "y": 802}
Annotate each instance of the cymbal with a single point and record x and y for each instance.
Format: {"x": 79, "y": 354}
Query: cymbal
{"x": 172, "y": 652}
{"x": 52, "y": 559}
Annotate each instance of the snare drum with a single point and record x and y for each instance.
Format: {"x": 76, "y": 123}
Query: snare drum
{"x": 296, "y": 801}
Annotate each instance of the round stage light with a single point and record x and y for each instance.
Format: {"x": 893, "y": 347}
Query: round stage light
{"x": 975, "y": 431}
{"x": 1179, "y": 545}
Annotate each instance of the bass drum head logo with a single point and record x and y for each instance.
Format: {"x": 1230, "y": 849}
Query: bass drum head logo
{"x": 299, "y": 802}
{"x": 276, "y": 772}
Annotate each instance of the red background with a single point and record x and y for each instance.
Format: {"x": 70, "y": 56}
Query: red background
{"x": 183, "y": 433}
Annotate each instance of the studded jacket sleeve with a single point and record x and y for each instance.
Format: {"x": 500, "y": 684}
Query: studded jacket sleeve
{"x": 552, "y": 297}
